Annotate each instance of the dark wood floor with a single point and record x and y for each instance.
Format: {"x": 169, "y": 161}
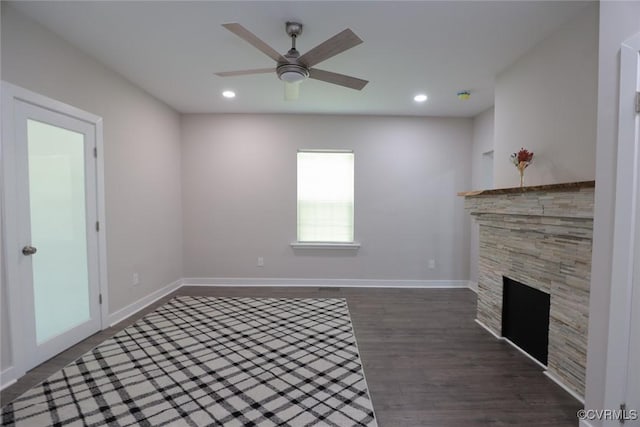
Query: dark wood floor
{"x": 426, "y": 361}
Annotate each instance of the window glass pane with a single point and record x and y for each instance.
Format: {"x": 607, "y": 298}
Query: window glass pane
{"x": 58, "y": 228}
{"x": 325, "y": 197}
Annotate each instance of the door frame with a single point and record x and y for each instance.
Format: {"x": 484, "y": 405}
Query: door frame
{"x": 626, "y": 237}
{"x": 9, "y": 216}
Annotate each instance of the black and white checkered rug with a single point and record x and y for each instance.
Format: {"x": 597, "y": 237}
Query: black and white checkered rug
{"x": 202, "y": 361}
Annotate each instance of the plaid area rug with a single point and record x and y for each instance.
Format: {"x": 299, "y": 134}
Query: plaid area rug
{"x": 202, "y": 361}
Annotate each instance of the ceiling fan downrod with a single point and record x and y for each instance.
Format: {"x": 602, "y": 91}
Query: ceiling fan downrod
{"x": 294, "y": 29}
{"x": 292, "y": 71}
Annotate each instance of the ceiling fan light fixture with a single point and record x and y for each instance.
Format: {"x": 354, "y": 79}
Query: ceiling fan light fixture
{"x": 292, "y": 76}
{"x": 292, "y": 73}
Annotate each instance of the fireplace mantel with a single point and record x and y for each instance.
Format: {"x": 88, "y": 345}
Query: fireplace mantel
{"x": 565, "y": 186}
{"x": 540, "y": 236}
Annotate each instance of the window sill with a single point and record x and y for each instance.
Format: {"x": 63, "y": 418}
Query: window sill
{"x": 325, "y": 245}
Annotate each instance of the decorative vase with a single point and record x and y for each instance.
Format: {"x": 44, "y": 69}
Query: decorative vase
{"x": 521, "y": 167}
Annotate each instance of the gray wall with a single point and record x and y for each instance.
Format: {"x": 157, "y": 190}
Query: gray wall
{"x": 142, "y": 156}
{"x": 239, "y": 196}
{"x": 5, "y": 341}
{"x": 483, "y": 141}
{"x": 618, "y": 22}
{"x": 546, "y": 102}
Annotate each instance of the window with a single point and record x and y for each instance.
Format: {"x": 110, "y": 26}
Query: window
{"x": 325, "y": 196}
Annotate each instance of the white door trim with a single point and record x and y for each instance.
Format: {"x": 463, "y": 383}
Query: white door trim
{"x": 626, "y": 238}
{"x": 9, "y": 212}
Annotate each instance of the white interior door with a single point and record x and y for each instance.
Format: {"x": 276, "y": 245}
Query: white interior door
{"x": 58, "y": 261}
{"x": 622, "y": 379}
{"x": 632, "y": 398}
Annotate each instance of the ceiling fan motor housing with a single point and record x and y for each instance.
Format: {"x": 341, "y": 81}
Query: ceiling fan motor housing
{"x": 292, "y": 72}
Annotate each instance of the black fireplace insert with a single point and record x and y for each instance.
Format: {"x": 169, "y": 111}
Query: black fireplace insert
{"x": 525, "y": 318}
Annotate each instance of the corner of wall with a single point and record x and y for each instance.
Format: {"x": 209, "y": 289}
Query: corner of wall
{"x": 534, "y": 109}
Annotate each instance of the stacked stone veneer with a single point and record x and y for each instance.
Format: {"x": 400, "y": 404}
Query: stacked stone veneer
{"x": 542, "y": 239}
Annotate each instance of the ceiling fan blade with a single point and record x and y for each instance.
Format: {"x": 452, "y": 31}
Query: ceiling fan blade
{"x": 331, "y": 47}
{"x": 337, "y": 79}
{"x": 252, "y": 39}
{"x": 245, "y": 72}
{"x": 291, "y": 91}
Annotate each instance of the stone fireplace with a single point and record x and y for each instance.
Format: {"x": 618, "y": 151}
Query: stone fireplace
{"x": 542, "y": 237}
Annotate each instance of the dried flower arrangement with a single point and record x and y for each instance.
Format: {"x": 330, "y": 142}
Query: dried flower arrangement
{"x": 522, "y": 159}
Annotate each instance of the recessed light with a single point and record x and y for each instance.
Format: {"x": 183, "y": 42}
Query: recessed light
{"x": 420, "y": 97}
{"x": 229, "y": 94}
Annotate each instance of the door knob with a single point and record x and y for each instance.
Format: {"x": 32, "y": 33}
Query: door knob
{"x": 29, "y": 250}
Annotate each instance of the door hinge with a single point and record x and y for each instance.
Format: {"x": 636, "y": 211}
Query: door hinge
{"x": 97, "y": 225}
{"x": 637, "y": 102}
{"x": 100, "y": 298}
{"x": 95, "y": 152}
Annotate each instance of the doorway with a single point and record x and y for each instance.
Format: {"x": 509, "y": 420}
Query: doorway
{"x": 622, "y": 389}
{"x": 487, "y": 170}
{"x": 54, "y": 249}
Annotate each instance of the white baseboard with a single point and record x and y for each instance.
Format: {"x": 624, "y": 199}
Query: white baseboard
{"x": 131, "y": 309}
{"x": 341, "y": 283}
{"x": 7, "y": 377}
{"x": 545, "y": 371}
{"x": 473, "y": 286}
{"x": 530, "y": 357}
{"x": 564, "y": 386}
{"x": 498, "y": 337}
{"x": 508, "y": 341}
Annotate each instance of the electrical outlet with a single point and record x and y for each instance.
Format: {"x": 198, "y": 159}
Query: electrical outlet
{"x": 431, "y": 263}
{"x": 260, "y": 261}
{"x": 135, "y": 279}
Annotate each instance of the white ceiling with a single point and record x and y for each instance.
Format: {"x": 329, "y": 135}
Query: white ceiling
{"x": 172, "y": 48}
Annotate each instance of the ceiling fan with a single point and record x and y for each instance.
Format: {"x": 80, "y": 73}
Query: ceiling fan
{"x": 293, "y": 68}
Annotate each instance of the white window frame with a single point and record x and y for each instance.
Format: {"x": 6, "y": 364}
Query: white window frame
{"x": 324, "y": 245}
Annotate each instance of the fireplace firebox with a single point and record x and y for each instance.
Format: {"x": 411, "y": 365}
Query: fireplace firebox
{"x": 525, "y": 318}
